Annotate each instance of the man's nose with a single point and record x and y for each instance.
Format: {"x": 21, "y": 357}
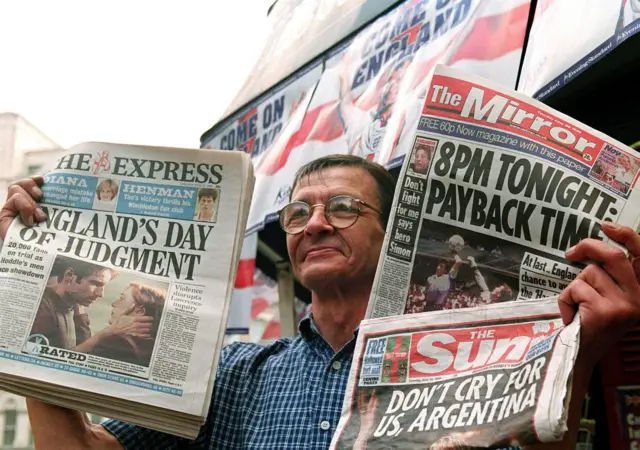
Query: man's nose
{"x": 318, "y": 222}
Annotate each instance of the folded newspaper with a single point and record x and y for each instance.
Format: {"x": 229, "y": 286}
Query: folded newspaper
{"x": 486, "y": 377}
{"x": 117, "y": 303}
{"x": 495, "y": 189}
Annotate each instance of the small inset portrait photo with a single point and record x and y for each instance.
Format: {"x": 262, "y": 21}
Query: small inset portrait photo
{"x": 106, "y": 194}
{"x": 207, "y": 205}
{"x": 616, "y": 168}
{"x": 421, "y": 157}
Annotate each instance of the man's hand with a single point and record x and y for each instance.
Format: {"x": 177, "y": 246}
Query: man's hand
{"x": 135, "y": 326}
{"x": 22, "y": 199}
{"x": 606, "y": 292}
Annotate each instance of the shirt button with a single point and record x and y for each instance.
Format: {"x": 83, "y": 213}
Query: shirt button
{"x": 337, "y": 365}
{"x": 325, "y": 425}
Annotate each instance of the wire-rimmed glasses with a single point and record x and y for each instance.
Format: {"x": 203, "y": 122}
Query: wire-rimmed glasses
{"x": 340, "y": 211}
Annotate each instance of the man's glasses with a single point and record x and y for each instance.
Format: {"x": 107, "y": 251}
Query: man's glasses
{"x": 341, "y": 211}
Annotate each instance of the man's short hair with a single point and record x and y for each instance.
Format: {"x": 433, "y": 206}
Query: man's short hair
{"x": 153, "y": 301}
{"x": 80, "y": 268}
{"x": 206, "y": 192}
{"x": 384, "y": 180}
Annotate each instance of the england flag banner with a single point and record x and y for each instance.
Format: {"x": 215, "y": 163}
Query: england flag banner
{"x": 368, "y": 99}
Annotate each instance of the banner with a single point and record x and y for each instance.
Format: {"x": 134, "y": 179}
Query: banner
{"x": 568, "y": 37}
{"x": 371, "y": 91}
{"x": 256, "y": 126}
{"x": 300, "y": 32}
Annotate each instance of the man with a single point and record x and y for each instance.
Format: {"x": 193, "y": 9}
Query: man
{"x": 206, "y": 203}
{"x": 289, "y": 394}
{"x": 137, "y": 300}
{"x": 365, "y": 119}
{"x": 439, "y": 285}
{"x": 74, "y": 285}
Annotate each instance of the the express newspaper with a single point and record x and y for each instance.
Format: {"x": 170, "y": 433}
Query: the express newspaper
{"x": 117, "y": 303}
{"x": 495, "y": 189}
{"x": 494, "y": 376}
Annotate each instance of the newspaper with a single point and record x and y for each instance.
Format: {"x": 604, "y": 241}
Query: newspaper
{"x": 495, "y": 189}
{"x": 492, "y": 376}
{"x": 117, "y": 303}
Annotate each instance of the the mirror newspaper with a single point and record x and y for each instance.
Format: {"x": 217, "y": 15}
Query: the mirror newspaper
{"x": 495, "y": 189}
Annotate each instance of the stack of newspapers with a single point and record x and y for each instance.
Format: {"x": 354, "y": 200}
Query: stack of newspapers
{"x": 463, "y": 343}
{"x": 117, "y": 303}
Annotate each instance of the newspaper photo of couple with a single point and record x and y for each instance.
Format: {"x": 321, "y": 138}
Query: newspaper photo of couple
{"x": 100, "y": 311}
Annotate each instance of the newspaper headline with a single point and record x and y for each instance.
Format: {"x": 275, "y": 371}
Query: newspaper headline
{"x": 482, "y": 377}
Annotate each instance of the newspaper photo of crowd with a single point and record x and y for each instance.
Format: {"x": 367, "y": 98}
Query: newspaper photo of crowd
{"x": 96, "y": 310}
{"x": 457, "y": 268}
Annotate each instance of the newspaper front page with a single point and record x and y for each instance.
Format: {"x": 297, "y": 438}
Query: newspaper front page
{"x": 130, "y": 232}
{"x": 494, "y": 376}
{"x": 495, "y": 189}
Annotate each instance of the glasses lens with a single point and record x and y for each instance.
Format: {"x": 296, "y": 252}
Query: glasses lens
{"x": 294, "y": 217}
{"x": 342, "y": 211}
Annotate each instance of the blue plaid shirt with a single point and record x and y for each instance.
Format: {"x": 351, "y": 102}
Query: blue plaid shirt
{"x": 287, "y": 395}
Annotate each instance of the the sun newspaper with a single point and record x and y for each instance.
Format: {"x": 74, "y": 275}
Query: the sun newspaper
{"x": 134, "y": 235}
{"x": 495, "y": 376}
{"x": 495, "y": 189}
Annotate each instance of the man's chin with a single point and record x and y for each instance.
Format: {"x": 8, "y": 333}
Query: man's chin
{"x": 319, "y": 278}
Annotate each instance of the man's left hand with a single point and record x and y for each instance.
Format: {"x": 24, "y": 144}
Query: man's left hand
{"x": 606, "y": 292}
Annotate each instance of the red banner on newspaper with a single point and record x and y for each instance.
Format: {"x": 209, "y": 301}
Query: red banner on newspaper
{"x": 471, "y": 103}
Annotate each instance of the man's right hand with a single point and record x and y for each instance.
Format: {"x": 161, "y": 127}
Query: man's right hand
{"x": 22, "y": 199}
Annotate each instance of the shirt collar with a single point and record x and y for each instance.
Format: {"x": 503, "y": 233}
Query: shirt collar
{"x": 308, "y": 329}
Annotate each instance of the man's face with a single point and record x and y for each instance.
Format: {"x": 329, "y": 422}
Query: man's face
{"x": 421, "y": 160}
{"x": 124, "y": 305}
{"x": 89, "y": 288}
{"x": 441, "y": 270}
{"x": 324, "y": 256}
{"x": 206, "y": 204}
